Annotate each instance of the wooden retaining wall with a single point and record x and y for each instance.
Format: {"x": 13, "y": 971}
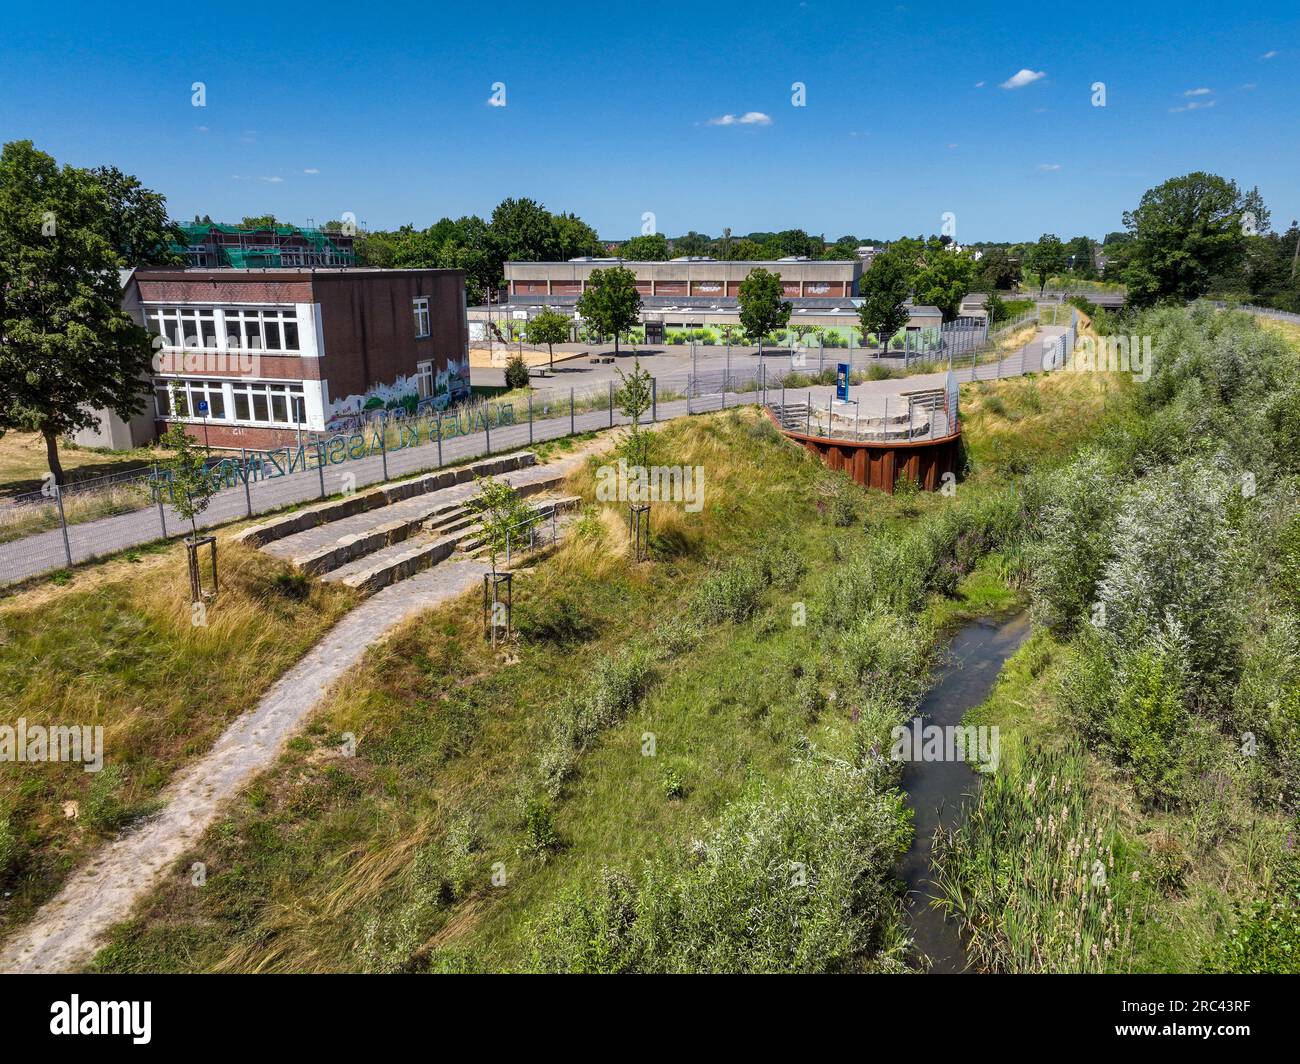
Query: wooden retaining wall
{"x": 878, "y": 464}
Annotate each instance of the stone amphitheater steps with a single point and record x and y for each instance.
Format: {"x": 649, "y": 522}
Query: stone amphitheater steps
{"x": 425, "y": 549}
{"x": 328, "y": 545}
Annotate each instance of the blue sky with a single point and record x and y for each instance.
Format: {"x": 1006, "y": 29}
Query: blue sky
{"x": 612, "y": 108}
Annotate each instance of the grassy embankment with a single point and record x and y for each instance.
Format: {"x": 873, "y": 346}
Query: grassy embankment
{"x": 1144, "y": 816}
{"x": 115, "y": 647}
{"x": 668, "y": 772}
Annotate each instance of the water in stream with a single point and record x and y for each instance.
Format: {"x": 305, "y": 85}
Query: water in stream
{"x": 937, "y": 790}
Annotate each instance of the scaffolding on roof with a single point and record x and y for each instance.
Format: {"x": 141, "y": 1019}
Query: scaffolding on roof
{"x": 260, "y": 247}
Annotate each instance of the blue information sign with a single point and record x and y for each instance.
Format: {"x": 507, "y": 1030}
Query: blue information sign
{"x": 842, "y": 382}
{"x": 201, "y": 406}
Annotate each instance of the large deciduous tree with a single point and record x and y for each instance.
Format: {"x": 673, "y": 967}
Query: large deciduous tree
{"x": 761, "y": 307}
{"x": 1185, "y": 232}
{"x": 66, "y": 345}
{"x": 136, "y": 222}
{"x": 611, "y": 302}
{"x": 945, "y": 279}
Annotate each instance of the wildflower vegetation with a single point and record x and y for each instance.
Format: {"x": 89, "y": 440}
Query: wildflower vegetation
{"x": 1160, "y": 567}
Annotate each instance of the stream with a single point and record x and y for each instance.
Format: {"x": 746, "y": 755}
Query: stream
{"x": 938, "y": 789}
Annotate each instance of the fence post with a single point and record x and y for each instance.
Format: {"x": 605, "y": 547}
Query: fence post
{"x": 383, "y": 446}
{"x": 157, "y": 494}
{"x": 437, "y": 419}
{"x": 487, "y": 426}
{"x": 320, "y": 469}
{"x": 63, "y": 524}
{"x": 654, "y": 398}
{"x": 611, "y": 404}
{"x": 248, "y": 494}
{"x": 572, "y": 430}
{"x": 762, "y": 377}
{"x": 530, "y": 419}
{"x": 807, "y": 414}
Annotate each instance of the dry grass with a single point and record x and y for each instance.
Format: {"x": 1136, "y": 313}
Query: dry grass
{"x": 117, "y": 649}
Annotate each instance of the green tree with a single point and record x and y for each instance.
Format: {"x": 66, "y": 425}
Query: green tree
{"x": 634, "y": 400}
{"x": 761, "y": 307}
{"x": 192, "y": 486}
{"x": 651, "y": 248}
{"x": 1045, "y": 258}
{"x": 136, "y": 222}
{"x": 66, "y": 346}
{"x": 945, "y": 279}
{"x": 611, "y": 302}
{"x": 503, "y": 514}
{"x": 550, "y": 327}
{"x": 1078, "y": 258}
{"x": 1185, "y": 232}
{"x": 886, "y": 287}
{"x": 516, "y": 372}
{"x": 998, "y": 269}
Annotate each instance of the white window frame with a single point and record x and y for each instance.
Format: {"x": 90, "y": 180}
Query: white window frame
{"x": 423, "y": 322}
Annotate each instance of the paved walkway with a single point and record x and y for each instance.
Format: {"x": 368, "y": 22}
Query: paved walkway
{"x": 45, "y": 551}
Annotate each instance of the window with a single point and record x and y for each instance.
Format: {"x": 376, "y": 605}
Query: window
{"x": 424, "y": 379}
{"x": 247, "y": 329}
{"x": 421, "y": 308}
{"x": 236, "y": 401}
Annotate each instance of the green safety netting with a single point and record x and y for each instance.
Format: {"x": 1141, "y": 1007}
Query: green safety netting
{"x": 259, "y": 256}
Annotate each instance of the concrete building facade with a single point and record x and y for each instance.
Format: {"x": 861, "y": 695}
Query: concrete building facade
{"x": 701, "y": 278}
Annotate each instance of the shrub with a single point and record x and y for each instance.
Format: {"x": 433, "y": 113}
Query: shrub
{"x": 516, "y": 373}
{"x": 794, "y": 880}
{"x": 1071, "y": 541}
{"x": 557, "y": 619}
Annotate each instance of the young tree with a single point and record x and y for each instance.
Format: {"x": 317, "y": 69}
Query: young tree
{"x": 634, "y": 399}
{"x": 550, "y": 327}
{"x": 516, "y": 372}
{"x": 761, "y": 307}
{"x": 998, "y": 270}
{"x": 1046, "y": 258}
{"x": 503, "y": 514}
{"x": 611, "y": 302}
{"x": 1185, "y": 232}
{"x": 66, "y": 346}
{"x": 885, "y": 289}
{"x": 192, "y": 486}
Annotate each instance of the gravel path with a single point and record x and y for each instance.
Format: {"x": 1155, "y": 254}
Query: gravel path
{"x": 67, "y": 931}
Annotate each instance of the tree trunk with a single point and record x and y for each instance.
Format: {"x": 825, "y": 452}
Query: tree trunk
{"x": 52, "y": 455}
{"x": 551, "y": 348}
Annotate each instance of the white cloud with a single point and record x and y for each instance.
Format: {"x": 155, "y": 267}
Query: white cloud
{"x": 749, "y": 118}
{"x": 951, "y": 146}
{"x": 311, "y": 170}
{"x": 1194, "y": 105}
{"x": 273, "y": 180}
{"x": 1198, "y": 92}
{"x": 1250, "y": 86}
{"x": 979, "y": 84}
{"x": 201, "y": 129}
{"x": 1047, "y": 168}
{"x": 1269, "y": 54}
{"x": 1023, "y": 77}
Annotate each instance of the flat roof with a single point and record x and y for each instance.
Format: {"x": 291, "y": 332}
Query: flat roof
{"x": 280, "y": 271}
{"x": 689, "y": 262}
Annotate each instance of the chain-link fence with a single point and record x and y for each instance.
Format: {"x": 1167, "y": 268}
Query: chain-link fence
{"x": 62, "y": 527}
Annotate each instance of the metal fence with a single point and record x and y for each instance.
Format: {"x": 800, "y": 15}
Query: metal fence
{"x": 58, "y": 529}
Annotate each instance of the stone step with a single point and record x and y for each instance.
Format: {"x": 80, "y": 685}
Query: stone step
{"x": 391, "y": 564}
{"x": 360, "y": 502}
{"x": 323, "y": 548}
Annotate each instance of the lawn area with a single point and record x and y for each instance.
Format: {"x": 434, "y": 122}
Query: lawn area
{"x": 114, "y": 645}
{"x": 722, "y": 700}
{"x": 23, "y": 462}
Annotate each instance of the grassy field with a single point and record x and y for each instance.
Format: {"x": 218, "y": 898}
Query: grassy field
{"x": 115, "y": 646}
{"x": 482, "y": 821}
{"x": 23, "y": 462}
